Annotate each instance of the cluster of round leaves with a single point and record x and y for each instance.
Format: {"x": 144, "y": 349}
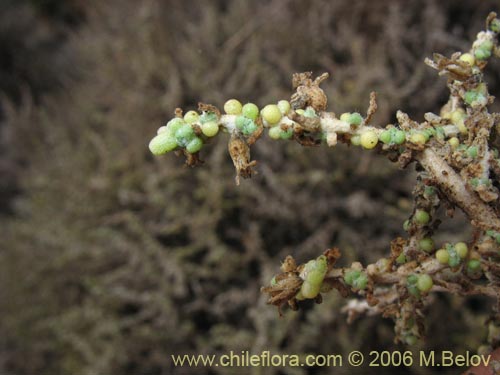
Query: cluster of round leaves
{"x": 272, "y": 115}
{"x": 313, "y": 274}
{"x": 417, "y": 284}
{"x": 495, "y": 25}
{"x": 482, "y": 181}
{"x": 392, "y": 136}
{"x": 209, "y": 123}
{"x": 246, "y": 115}
{"x": 483, "y": 50}
{"x": 470, "y": 151}
{"x": 477, "y": 96}
{"x": 352, "y": 118}
{"x": 420, "y": 137}
{"x": 308, "y": 112}
{"x": 452, "y": 255}
{"x": 356, "y": 278}
{"x": 474, "y": 98}
{"x": 457, "y": 118}
{"x": 179, "y": 132}
{"x": 368, "y": 139}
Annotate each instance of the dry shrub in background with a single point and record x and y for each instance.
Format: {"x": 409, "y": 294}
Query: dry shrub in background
{"x": 113, "y": 260}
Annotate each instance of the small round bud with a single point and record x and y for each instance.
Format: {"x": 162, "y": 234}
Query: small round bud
{"x": 399, "y": 137}
{"x": 208, "y": 116}
{"x": 411, "y": 285}
{"x": 470, "y": 96}
{"x": 454, "y": 142}
{"x": 345, "y": 117}
{"x": 249, "y": 128}
{"x": 473, "y": 265}
{"x": 424, "y": 283}
{"x": 240, "y": 122}
{"x": 286, "y": 134}
{"x": 457, "y": 115}
{"x": 194, "y": 145}
{"x": 175, "y": 124}
{"x": 472, "y": 151}
{"x": 401, "y": 259}
{"x": 350, "y": 276}
{"x": 271, "y": 114}
{"x": 355, "y": 119}
{"x": 406, "y": 225}
{"x": 314, "y": 273}
{"x": 386, "y": 136}
{"x": 360, "y": 282}
{"x": 468, "y": 58}
{"x": 475, "y": 99}
{"x": 309, "y": 290}
{"x": 482, "y": 53}
{"x": 461, "y": 249}
{"x": 310, "y": 112}
{"x": 369, "y": 139}
{"x": 461, "y": 127}
{"x": 356, "y": 140}
{"x": 495, "y": 25}
{"x": 184, "y": 135}
{"x": 422, "y": 217}
{"x": 275, "y": 132}
{"x": 284, "y": 106}
{"x": 233, "y": 107}
{"x": 191, "y": 117}
{"x": 429, "y": 132}
{"x": 454, "y": 260}
{"x": 162, "y": 143}
{"x": 163, "y": 129}
{"x": 411, "y": 279}
{"x": 210, "y": 129}
{"x": 418, "y": 138}
{"x": 487, "y": 45}
{"x": 250, "y": 110}
{"x": 439, "y": 132}
{"x": 483, "y": 50}
{"x": 442, "y": 256}
{"x": 426, "y": 244}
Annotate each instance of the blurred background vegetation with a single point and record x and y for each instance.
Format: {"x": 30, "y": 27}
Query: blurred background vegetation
{"x": 111, "y": 259}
